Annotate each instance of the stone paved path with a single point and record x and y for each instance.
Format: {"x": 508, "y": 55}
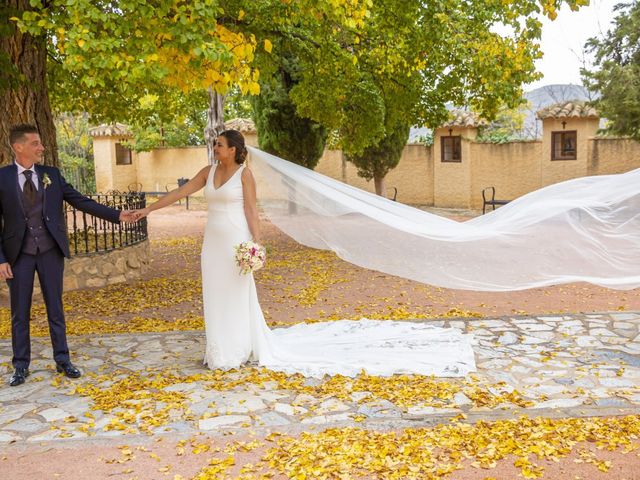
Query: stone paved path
{"x": 565, "y": 366}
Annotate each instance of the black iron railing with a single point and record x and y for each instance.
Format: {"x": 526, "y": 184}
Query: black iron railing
{"x": 89, "y": 234}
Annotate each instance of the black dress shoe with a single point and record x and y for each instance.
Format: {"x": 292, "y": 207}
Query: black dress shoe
{"x": 19, "y": 376}
{"x": 69, "y": 370}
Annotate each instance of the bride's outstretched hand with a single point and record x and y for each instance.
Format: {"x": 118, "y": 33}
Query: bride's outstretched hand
{"x": 139, "y": 214}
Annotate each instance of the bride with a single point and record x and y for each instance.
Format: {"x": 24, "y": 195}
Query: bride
{"x": 236, "y": 331}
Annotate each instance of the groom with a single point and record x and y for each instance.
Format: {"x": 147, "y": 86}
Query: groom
{"x": 33, "y": 238}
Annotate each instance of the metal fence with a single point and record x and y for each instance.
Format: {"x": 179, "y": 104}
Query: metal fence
{"x": 89, "y": 234}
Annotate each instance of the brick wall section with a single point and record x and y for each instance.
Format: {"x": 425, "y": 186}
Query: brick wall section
{"x": 452, "y": 179}
{"x": 512, "y": 168}
{"x": 414, "y": 176}
{"x": 160, "y": 169}
{"x": 612, "y": 155}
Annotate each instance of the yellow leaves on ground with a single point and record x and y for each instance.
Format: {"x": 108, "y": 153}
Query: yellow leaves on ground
{"x": 135, "y": 297}
{"x": 135, "y": 399}
{"x": 432, "y": 453}
{"x": 588, "y": 456}
{"x": 216, "y": 469}
{"x": 481, "y": 397}
{"x": 141, "y": 401}
{"x": 92, "y": 327}
{"x": 321, "y": 278}
{"x": 391, "y": 313}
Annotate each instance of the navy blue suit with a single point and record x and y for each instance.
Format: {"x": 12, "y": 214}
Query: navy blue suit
{"x": 46, "y": 258}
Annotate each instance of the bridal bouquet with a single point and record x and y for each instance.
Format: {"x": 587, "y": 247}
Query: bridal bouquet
{"x": 250, "y": 256}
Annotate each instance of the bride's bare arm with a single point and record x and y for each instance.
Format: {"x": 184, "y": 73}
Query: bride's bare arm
{"x": 250, "y": 204}
{"x": 192, "y": 186}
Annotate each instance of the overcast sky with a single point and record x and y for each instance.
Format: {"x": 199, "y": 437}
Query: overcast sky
{"x": 563, "y": 40}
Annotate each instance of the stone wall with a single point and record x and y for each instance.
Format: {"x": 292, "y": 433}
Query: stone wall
{"x": 101, "y": 269}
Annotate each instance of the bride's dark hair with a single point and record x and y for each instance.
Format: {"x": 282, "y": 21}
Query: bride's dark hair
{"x": 235, "y": 139}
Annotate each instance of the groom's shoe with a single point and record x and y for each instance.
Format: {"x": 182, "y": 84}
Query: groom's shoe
{"x": 69, "y": 370}
{"x": 18, "y": 377}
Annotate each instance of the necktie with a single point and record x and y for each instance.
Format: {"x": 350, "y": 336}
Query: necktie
{"x": 29, "y": 188}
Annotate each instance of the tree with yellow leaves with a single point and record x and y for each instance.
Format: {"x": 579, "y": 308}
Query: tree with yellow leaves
{"x": 119, "y": 59}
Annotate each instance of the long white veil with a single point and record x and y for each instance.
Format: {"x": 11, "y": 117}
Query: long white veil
{"x": 581, "y": 230}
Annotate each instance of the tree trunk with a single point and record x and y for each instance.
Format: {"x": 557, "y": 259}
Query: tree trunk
{"x": 343, "y": 157}
{"x": 381, "y": 188}
{"x": 215, "y": 122}
{"x": 26, "y": 100}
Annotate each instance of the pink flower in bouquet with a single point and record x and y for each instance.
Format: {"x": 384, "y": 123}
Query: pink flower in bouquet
{"x": 250, "y": 256}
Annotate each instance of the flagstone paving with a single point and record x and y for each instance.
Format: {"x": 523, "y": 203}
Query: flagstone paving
{"x": 561, "y": 366}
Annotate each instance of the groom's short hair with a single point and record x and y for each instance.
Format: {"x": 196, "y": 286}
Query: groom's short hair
{"x": 17, "y": 132}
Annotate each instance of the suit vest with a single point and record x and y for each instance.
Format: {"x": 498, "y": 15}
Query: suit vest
{"x": 37, "y": 239}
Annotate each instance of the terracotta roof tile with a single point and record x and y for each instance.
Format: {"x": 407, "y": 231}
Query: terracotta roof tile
{"x": 243, "y": 125}
{"x": 112, "y": 130}
{"x": 464, "y": 118}
{"x": 571, "y": 109}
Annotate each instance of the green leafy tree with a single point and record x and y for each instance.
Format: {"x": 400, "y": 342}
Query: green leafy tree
{"x": 426, "y": 139}
{"x": 281, "y": 130}
{"x": 508, "y": 126}
{"x": 182, "y": 131}
{"x": 75, "y": 149}
{"x": 617, "y": 74}
{"x": 237, "y": 105}
{"x": 187, "y": 127}
{"x": 184, "y": 127}
{"x": 412, "y": 59}
{"x": 378, "y": 160}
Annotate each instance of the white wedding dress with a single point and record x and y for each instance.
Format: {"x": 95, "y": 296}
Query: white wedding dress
{"x": 236, "y": 331}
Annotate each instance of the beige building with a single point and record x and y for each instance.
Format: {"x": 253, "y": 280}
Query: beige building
{"x": 450, "y": 174}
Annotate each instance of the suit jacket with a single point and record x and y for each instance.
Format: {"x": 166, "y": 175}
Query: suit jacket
{"x": 13, "y": 224}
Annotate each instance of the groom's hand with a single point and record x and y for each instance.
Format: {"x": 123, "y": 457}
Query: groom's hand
{"x": 127, "y": 216}
{"x": 5, "y": 271}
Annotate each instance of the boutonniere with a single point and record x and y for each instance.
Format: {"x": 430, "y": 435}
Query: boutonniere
{"x": 46, "y": 181}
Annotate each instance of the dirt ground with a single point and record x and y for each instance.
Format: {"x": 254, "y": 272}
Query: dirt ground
{"x": 158, "y": 458}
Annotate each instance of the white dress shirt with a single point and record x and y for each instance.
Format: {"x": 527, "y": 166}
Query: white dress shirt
{"x": 22, "y": 179}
